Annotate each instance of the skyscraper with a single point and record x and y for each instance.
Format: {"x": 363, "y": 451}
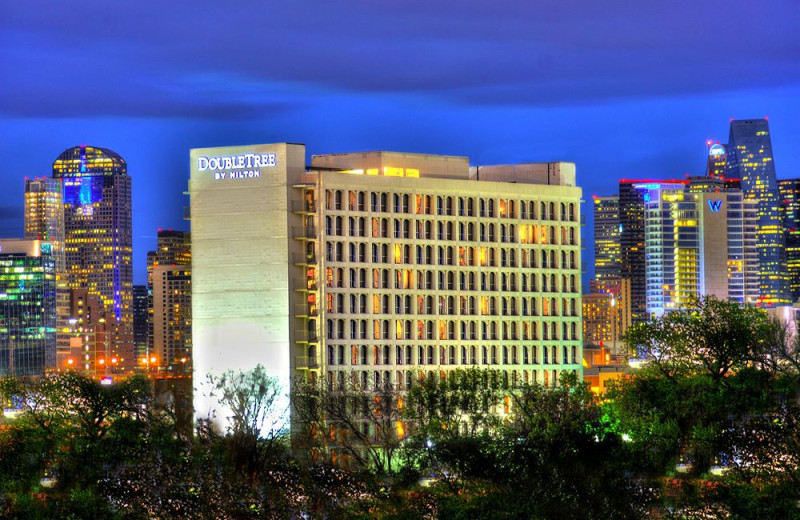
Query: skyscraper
{"x": 607, "y": 263}
{"x": 632, "y": 197}
{"x": 717, "y": 157}
{"x": 789, "y": 190}
{"x": 173, "y": 250}
{"x": 44, "y": 221}
{"x": 98, "y": 236}
{"x": 172, "y": 317}
{"x": 749, "y": 158}
{"x": 698, "y": 243}
{"x": 141, "y": 320}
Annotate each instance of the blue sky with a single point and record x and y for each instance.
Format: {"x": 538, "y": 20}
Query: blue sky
{"x": 623, "y": 89}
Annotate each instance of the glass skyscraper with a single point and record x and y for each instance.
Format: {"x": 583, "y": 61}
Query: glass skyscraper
{"x": 606, "y": 237}
{"x": 27, "y": 307}
{"x": 97, "y": 221}
{"x": 44, "y": 220}
{"x": 749, "y": 158}
{"x": 789, "y": 190}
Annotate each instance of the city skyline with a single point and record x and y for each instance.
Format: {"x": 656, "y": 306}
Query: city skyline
{"x": 622, "y": 94}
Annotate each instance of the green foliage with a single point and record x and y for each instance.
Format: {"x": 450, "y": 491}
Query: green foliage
{"x": 708, "y": 428}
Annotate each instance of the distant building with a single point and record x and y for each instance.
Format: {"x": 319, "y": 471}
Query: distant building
{"x": 98, "y": 236}
{"x": 141, "y": 319}
{"x": 27, "y": 307}
{"x": 607, "y": 312}
{"x": 749, "y": 158}
{"x": 607, "y": 260}
{"x": 717, "y": 158}
{"x": 598, "y": 319}
{"x": 632, "y": 238}
{"x": 44, "y": 221}
{"x": 698, "y": 243}
{"x": 172, "y": 317}
{"x": 789, "y": 190}
{"x": 91, "y": 349}
{"x": 602, "y": 365}
{"x": 169, "y": 277}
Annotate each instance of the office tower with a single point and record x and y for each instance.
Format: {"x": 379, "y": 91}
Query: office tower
{"x": 749, "y": 158}
{"x": 173, "y": 249}
{"x": 141, "y": 319}
{"x": 607, "y": 261}
{"x": 717, "y": 158}
{"x": 44, "y": 216}
{"x": 97, "y": 221}
{"x": 789, "y": 190}
{"x": 44, "y": 221}
{"x": 698, "y": 243}
{"x": 172, "y": 318}
{"x": 380, "y": 268}
{"x": 27, "y": 307}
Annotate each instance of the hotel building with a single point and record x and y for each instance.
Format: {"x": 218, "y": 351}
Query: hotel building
{"x": 381, "y": 268}
{"x": 698, "y": 243}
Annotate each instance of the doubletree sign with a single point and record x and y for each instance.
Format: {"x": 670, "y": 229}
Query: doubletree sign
{"x": 243, "y": 166}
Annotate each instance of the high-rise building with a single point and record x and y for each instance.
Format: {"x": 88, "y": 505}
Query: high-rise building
{"x": 620, "y": 291}
{"x": 607, "y": 260}
{"x": 27, "y": 307}
{"x": 44, "y": 221}
{"x": 172, "y": 317}
{"x": 698, "y": 243}
{"x": 44, "y": 216}
{"x": 90, "y": 343}
{"x": 97, "y": 220}
{"x": 381, "y": 268}
{"x": 602, "y": 321}
{"x": 632, "y": 195}
{"x": 789, "y": 190}
{"x": 749, "y": 158}
{"x": 173, "y": 249}
{"x": 717, "y": 158}
{"x": 141, "y": 320}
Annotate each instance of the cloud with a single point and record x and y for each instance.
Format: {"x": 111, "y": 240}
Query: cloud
{"x": 209, "y": 60}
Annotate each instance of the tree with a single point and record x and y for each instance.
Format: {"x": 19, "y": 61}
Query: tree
{"x": 350, "y": 422}
{"x": 717, "y": 392}
{"x": 257, "y": 416}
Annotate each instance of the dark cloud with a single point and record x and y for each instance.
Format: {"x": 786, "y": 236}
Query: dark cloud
{"x": 142, "y": 58}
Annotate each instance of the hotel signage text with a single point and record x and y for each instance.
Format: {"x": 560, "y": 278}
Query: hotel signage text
{"x": 243, "y": 166}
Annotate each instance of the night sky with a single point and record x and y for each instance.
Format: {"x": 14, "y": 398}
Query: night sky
{"x": 622, "y": 88}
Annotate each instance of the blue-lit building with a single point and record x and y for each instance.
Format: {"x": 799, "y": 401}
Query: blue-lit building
{"x": 27, "y": 307}
{"x": 749, "y": 158}
{"x": 98, "y": 236}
